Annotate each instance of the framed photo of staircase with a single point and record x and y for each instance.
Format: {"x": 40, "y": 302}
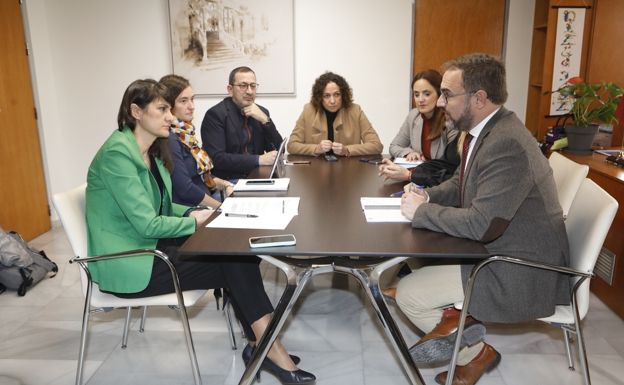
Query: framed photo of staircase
{"x": 209, "y": 38}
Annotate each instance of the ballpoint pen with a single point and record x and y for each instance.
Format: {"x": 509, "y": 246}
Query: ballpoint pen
{"x": 397, "y": 194}
{"x": 240, "y": 215}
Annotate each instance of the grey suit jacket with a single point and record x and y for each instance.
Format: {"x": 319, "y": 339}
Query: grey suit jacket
{"x": 408, "y": 138}
{"x": 511, "y": 205}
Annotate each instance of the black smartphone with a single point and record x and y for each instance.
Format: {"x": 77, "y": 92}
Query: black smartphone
{"x": 375, "y": 160}
{"x": 331, "y": 158}
{"x": 268, "y": 181}
{"x": 273, "y": 241}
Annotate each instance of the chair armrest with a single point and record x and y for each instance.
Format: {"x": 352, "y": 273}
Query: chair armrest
{"x": 527, "y": 262}
{"x": 131, "y": 253}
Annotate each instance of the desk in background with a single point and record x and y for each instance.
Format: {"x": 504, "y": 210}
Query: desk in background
{"x": 331, "y": 223}
{"x": 611, "y": 178}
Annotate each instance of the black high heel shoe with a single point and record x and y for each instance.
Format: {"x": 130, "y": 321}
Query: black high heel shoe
{"x": 217, "y": 295}
{"x": 248, "y": 350}
{"x": 288, "y": 376}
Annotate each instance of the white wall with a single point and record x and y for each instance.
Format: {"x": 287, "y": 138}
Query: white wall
{"x": 86, "y": 52}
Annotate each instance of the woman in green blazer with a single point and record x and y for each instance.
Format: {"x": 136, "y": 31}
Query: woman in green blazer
{"x": 128, "y": 207}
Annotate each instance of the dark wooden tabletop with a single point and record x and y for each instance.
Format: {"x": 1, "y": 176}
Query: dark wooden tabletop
{"x": 331, "y": 220}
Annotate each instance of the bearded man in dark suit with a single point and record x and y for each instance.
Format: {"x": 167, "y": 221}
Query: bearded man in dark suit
{"x": 504, "y": 195}
{"x": 238, "y": 134}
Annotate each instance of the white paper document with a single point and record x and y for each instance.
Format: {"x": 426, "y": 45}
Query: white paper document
{"x": 260, "y": 213}
{"x": 383, "y": 210}
{"x": 280, "y": 184}
{"x": 405, "y": 163}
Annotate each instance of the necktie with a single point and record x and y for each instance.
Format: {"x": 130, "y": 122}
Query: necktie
{"x": 465, "y": 149}
{"x": 248, "y": 136}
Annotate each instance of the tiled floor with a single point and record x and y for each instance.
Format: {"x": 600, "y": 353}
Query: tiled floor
{"x": 331, "y": 329}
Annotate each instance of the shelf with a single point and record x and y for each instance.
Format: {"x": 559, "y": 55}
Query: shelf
{"x": 541, "y": 26}
{"x": 538, "y": 85}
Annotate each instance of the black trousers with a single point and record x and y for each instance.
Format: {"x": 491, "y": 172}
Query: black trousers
{"x": 240, "y": 274}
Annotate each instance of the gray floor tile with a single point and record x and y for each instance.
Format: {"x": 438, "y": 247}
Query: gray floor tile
{"x": 333, "y": 328}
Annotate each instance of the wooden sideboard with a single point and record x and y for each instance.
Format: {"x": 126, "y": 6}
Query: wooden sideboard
{"x": 611, "y": 178}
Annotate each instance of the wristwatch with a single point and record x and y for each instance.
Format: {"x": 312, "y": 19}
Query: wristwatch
{"x": 227, "y": 184}
{"x": 267, "y": 122}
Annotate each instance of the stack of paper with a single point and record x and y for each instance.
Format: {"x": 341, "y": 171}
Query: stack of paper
{"x": 383, "y": 210}
{"x": 256, "y": 213}
{"x": 405, "y": 163}
{"x": 262, "y": 185}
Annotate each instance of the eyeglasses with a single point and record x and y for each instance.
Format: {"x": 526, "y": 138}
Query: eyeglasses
{"x": 244, "y": 86}
{"x": 446, "y": 95}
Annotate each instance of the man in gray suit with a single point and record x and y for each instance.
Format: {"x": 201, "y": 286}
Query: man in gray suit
{"x": 503, "y": 195}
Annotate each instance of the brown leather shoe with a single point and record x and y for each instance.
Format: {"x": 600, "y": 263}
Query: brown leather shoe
{"x": 471, "y": 373}
{"x": 438, "y": 344}
{"x": 389, "y": 294}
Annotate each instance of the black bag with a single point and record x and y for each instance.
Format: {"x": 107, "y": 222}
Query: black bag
{"x": 21, "y": 266}
{"x": 554, "y": 133}
{"x": 435, "y": 171}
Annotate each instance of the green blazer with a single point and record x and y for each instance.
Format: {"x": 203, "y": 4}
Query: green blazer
{"x": 122, "y": 213}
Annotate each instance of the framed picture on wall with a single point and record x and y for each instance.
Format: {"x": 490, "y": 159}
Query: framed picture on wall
{"x": 209, "y": 38}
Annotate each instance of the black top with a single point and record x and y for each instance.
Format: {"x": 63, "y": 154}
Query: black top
{"x": 331, "y": 116}
{"x": 159, "y": 179}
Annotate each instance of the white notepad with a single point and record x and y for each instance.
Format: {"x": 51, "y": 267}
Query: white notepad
{"x": 382, "y": 209}
{"x": 276, "y": 185}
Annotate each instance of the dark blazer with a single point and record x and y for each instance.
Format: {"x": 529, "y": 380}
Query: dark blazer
{"x": 188, "y": 188}
{"x": 222, "y": 137}
{"x": 511, "y": 206}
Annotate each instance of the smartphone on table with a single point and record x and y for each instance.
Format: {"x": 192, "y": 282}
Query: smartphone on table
{"x": 331, "y": 158}
{"x": 272, "y": 241}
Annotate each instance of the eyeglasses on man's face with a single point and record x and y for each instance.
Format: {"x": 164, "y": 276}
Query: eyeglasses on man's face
{"x": 447, "y": 95}
{"x": 244, "y": 86}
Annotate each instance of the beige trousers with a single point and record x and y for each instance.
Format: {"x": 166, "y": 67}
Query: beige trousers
{"x": 424, "y": 294}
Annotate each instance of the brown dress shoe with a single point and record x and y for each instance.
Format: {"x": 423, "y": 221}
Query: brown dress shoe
{"x": 471, "y": 373}
{"x": 438, "y": 344}
{"x": 389, "y": 294}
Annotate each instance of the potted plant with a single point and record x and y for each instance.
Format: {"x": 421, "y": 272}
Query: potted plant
{"x": 591, "y": 103}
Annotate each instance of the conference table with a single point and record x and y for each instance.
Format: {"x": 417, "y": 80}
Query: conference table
{"x": 333, "y": 236}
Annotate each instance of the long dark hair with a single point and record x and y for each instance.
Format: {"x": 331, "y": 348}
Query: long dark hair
{"x": 142, "y": 92}
{"x": 435, "y": 79}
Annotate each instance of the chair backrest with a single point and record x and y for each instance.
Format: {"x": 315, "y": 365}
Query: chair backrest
{"x": 587, "y": 225}
{"x": 70, "y": 207}
{"x": 568, "y": 177}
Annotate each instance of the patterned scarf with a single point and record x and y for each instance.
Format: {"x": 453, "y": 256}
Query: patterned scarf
{"x": 186, "y": 133}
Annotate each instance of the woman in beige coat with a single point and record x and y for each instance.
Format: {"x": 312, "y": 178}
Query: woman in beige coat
{"x": 332, "y": 105}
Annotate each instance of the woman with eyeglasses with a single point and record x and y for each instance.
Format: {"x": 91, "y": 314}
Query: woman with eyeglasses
{"x": 129, "y": 207}
{"x": 332, "y": 124}
{"x": 193, "y": 184}
{"x": 423, "y": 136}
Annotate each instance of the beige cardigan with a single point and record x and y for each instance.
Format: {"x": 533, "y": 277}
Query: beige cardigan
{"x": 351, "y": 128}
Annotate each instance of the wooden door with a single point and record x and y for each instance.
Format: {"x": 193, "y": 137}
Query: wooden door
{"x": 446, "y": 29}
{"x": 23, "y": 198}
